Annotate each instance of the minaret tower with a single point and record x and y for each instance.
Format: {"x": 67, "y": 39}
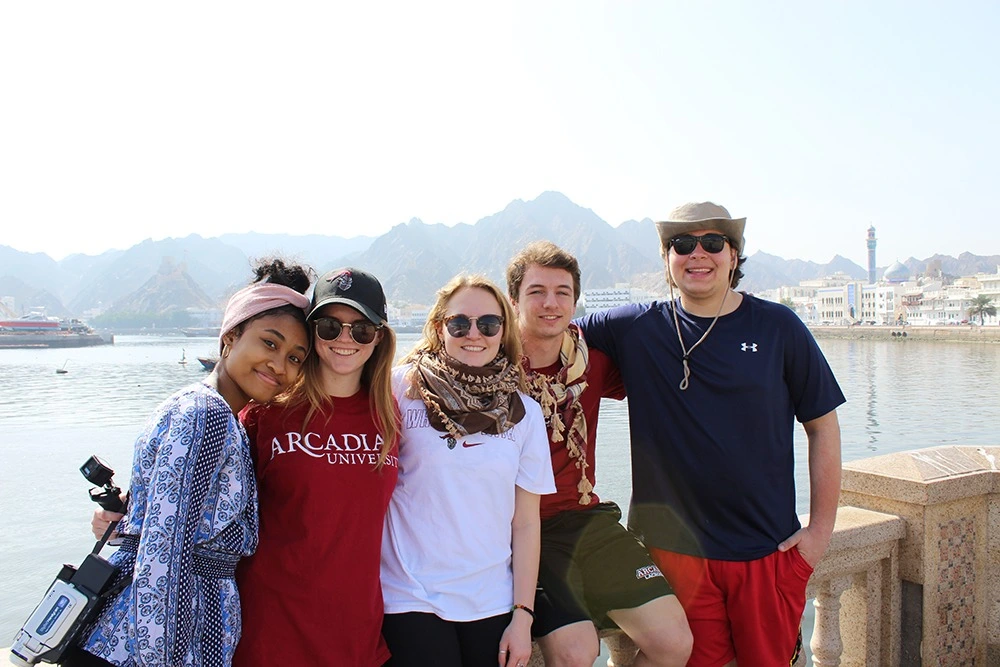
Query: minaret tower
{"x": 871, "y": 255}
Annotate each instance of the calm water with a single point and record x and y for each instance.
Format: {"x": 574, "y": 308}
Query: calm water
{"x": 901, "y": 395}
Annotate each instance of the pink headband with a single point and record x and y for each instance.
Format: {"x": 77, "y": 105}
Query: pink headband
{"x": 257, "y": 298}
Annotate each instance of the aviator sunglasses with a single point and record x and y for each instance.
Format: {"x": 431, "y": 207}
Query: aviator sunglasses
{"x": 460, "y": 325}
{"x": 685, "y": 244}
{"x": 362, "y": 332}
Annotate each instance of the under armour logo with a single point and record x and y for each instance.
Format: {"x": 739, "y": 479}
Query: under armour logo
{"x": 749, "y": 347}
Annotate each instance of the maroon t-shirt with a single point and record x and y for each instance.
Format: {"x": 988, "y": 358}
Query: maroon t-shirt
{"x": 603, "y": 380}
{"x": 311, "y": 593}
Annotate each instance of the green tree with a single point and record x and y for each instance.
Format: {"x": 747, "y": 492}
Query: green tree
{"x": 788, "y": 303}
{"x": 982, "y": 306}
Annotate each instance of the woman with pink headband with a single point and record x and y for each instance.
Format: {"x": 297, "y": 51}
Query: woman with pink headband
{"x": 192, "y": 507}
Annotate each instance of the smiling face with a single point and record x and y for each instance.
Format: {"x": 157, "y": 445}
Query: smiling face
{"x": 545, "y": 302}
{"x": 702, "y": 277}
{"x": 264, "y": 359}
{"x": 473, "y": 349}
{"x": 343, "y": 358}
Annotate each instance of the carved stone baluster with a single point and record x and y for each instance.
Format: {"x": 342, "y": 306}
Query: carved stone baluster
{"x": 827, "y": 645}
{"x": 621, "y": 648}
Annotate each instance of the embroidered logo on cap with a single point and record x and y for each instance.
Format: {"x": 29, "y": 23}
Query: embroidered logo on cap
{"x": 343, "y": 280}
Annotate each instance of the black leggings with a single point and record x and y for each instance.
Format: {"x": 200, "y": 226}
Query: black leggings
{"x": 418, "y": 639}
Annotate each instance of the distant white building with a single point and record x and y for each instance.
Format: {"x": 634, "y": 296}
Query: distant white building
{"x": 597, "y": 300}
{"x": 840, "y": 304}
{"x": 799, "y": 298}
{"x": 881, "y": 304}
{"x": 838, "y": 279}
{"x": 989, "y": 285}
{"x": 855, "y": 302}
{"x": 947, "y": 305}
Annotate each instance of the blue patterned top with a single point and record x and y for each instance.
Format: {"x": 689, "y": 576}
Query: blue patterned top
{"x": 192, "y": 515}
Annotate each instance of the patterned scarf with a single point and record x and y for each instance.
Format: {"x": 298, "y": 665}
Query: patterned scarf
{"x": 463, "y": 399}
{"x": 559, "y": 396}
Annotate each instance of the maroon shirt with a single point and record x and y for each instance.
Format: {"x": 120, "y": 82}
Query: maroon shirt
{"x": 311, "y": 593}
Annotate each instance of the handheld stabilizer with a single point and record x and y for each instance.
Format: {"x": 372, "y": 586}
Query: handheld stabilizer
{"x": 97, "y": 472}
{"x": 75, "y": 596}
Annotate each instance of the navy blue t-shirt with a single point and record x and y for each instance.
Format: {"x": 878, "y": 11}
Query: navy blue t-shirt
{"x": 713, "y": 466}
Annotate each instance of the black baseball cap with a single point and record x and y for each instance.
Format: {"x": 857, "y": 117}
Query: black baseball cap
{"x": 352, "y": 287}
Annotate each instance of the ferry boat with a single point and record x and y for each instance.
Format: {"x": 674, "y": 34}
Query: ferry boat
{"x": 37, "y": 330}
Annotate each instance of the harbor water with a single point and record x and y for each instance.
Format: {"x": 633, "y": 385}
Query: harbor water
{"x": 901, "y": 395}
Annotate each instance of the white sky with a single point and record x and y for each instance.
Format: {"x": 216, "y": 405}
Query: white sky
{"x": 122, "y": 121}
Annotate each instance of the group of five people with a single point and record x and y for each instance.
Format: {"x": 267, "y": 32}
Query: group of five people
{"x": 443, "y": 512}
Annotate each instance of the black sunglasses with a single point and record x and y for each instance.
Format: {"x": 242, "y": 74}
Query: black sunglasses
{"x": 362, "y": 332}
{"x": 459, "y": 326}
{"x": 685, "y": 244}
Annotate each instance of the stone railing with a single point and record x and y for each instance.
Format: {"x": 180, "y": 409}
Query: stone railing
{"x": 949, "y": 558}
{"x": 912, "y": 574}
{"x": 855, "y": 590}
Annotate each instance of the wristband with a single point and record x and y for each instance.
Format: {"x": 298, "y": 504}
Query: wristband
{"x": 531, "y": 612}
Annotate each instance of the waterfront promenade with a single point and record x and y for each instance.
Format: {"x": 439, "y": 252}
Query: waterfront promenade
{"x": 965, "y": 333}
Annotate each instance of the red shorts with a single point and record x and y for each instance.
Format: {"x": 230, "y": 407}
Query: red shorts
{"x": 750, "y": 611}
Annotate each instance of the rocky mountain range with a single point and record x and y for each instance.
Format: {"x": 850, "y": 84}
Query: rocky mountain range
{"x": 412, "y": 259}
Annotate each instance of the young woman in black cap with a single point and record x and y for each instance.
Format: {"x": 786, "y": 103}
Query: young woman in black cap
{"x": 326, "y": 464}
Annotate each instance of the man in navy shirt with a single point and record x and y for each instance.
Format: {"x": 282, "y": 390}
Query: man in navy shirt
{"x": 715, "y": 380}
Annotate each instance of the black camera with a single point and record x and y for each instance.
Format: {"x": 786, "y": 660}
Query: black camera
{"x": 108, "y": 496}
{"x": 75, "y": 596}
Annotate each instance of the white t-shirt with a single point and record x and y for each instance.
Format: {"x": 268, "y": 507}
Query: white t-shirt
{"x": 446, "y": 548}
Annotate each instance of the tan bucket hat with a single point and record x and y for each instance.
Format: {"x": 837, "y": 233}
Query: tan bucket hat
{"x": 702, "y": 215}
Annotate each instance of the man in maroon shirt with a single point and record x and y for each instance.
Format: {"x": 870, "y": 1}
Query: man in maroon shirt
{"x": 592, "y": 573}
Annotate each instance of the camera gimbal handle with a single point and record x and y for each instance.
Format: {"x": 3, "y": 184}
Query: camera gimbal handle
{"x": 109, "y": 498}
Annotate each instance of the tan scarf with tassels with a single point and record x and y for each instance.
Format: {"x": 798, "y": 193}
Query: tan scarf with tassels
{"x": 559, "y": 396}
{"x": 464, "y": 399}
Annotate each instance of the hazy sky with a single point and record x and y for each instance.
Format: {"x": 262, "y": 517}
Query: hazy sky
{"x": 122, "y": 121}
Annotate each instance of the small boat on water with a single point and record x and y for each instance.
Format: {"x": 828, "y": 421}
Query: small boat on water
{"x": 208, "y": 363}
{"x": 62, "y": 369}
{"x": 183, "y": 361}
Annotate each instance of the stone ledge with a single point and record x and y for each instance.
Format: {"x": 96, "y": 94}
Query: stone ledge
{"x": 927, "y": 476}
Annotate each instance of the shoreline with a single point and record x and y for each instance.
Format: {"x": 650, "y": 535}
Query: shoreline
{"x": 948, "y": 334}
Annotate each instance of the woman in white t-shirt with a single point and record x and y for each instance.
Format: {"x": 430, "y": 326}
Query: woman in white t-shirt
{"x": 460, "y": 549}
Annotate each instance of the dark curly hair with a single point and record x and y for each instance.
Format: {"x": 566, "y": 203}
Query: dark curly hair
{"x": 277, "y": 271}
